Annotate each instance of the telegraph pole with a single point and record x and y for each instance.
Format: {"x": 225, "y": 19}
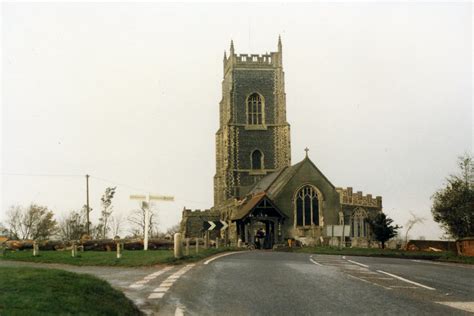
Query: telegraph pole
{"x": 87, "y": 203}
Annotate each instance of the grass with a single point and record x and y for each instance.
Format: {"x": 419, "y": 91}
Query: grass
{"x": 130, "y": 258}
{"x": 388, "y": 253}
{"x": 33, "y": 291}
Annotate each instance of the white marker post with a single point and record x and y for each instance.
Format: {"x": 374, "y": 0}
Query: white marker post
{"x": 147, "y": 199}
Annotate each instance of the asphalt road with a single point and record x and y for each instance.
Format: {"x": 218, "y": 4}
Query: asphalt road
{"x": 278, "y": 283}
{"x": 273, "y": 283}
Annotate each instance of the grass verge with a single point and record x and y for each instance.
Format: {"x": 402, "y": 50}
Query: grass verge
{"x": 33, "y": 291}
{"x": 388, "y": 253}
{"x": 130, "y": 258}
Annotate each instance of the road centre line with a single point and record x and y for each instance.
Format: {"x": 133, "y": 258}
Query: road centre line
{"x": 407, "y": 281}
{"x": 358, "y": 263}
{"x": 222, "y": 255}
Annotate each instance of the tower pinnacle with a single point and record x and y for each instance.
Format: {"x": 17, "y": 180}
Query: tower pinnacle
{"x": 231, "y": 48}
{"x": 279, "y": 44}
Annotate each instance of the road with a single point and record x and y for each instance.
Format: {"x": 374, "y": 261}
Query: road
{"x": 279, "y": 283}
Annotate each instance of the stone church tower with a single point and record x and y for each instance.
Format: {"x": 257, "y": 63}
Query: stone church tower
{"x": 253, "y": 139}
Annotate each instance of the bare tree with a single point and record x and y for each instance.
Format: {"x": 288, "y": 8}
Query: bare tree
{"x": 3, "y": 230}
{"x": 34, "y": 222}
{"x": 409, "y": 225}
{"x": 73, "y": 226}
{"x": 137, "y": 221}
{"x": 107, "y": 209}
{"x": 116, "y": 222}
{"x": 173, "y": 229}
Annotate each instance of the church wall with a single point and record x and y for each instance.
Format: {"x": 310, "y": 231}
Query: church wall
{"x": 248, "y": 81}
{"x": 262, "y": 140}
{"x": 331, "y": 205}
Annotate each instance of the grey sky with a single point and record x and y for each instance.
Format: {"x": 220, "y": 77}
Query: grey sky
{"x": 380, "y": 93}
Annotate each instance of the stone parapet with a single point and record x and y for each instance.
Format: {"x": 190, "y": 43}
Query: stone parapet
{"x": 347, "y": 197}
{"x": 192, "y": 221}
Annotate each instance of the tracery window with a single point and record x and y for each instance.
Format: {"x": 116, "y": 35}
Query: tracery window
{"x": 359, "y": 224}
{"x": 255, "y": 109}
{"x": 307, "y": 207}
{"x": 256, "y": 159}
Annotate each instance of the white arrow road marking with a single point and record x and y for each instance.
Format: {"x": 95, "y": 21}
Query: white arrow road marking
{"x": 224, "y": 225}
{"x": 212, "y": 225}
{"x": 407, "y": 281}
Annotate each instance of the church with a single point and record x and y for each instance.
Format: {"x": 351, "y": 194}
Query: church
{"x": 256, "y": 188}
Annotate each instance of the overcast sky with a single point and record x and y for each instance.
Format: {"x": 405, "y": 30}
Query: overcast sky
{"x": 129, "y": 93}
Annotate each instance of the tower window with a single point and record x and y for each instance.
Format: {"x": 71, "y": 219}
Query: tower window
{"x": 255, "y": 109}
{"x": 257, "y": 160}
{"x": 307, "y": 207}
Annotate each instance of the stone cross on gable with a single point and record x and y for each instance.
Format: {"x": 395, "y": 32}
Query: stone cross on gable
{"x": 306, "y": 150}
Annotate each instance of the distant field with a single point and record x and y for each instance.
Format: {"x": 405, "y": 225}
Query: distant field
{"x": 32, "y": 291}
{"x": 130, "y": 258}
{"x": 392, "y": 253}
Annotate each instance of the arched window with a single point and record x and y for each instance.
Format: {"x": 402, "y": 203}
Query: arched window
{"x": 256, "y": 159}
{"x": 307, "y": 207}
{"x": 255, "y": 109}
{"x": 359, "y": 225}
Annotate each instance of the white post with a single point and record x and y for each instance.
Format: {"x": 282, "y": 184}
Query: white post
{"x": 239, "y": 243}
{"x": 197, "y": 245}
{"x": 217, "y": 242}
{"x": 178, "y": 251}
{"x": 35, "y": 248}
{"x": 73, "y": 249}
{"x": 119, "y": 250}
{"x": 147, "y": 222}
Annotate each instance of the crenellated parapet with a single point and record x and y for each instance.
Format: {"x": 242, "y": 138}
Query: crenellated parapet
{"x": 272, "y": 59}
{"x": 348, "y": 197}
{"x": 192, "y": 221}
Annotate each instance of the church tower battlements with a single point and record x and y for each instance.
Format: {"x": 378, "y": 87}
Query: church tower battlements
{"x": 253, "y": 139}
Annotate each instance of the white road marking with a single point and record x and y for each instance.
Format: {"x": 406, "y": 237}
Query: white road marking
{"x": 179, "y": 312}
{"x": 223, "y": 255}
{"x": 344, "y": 257}
{"x": 465, "y": 306}
{"x": 403, "y": 287}
{"x": 376, "y": 278}
{"x": 316, "y": 263}
{"x": 149, "y": 277}
{"x": 358, "y": 263}
{"x": 156, "y": 295}
{"x": 366, "y": 281}
{"x": 166, "y": 284}
{"x": 408, "y": 281}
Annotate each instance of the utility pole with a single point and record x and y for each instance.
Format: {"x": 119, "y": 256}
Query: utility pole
{"x": 147, "y": 199}
{"x": 87, "y": 203}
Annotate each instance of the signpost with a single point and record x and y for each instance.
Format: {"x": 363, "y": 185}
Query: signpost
{"x": 146, "y": 200}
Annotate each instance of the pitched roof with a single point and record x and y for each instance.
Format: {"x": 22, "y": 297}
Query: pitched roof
{"x": 247, "y": 206}
{"x": 273, "y": 183}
